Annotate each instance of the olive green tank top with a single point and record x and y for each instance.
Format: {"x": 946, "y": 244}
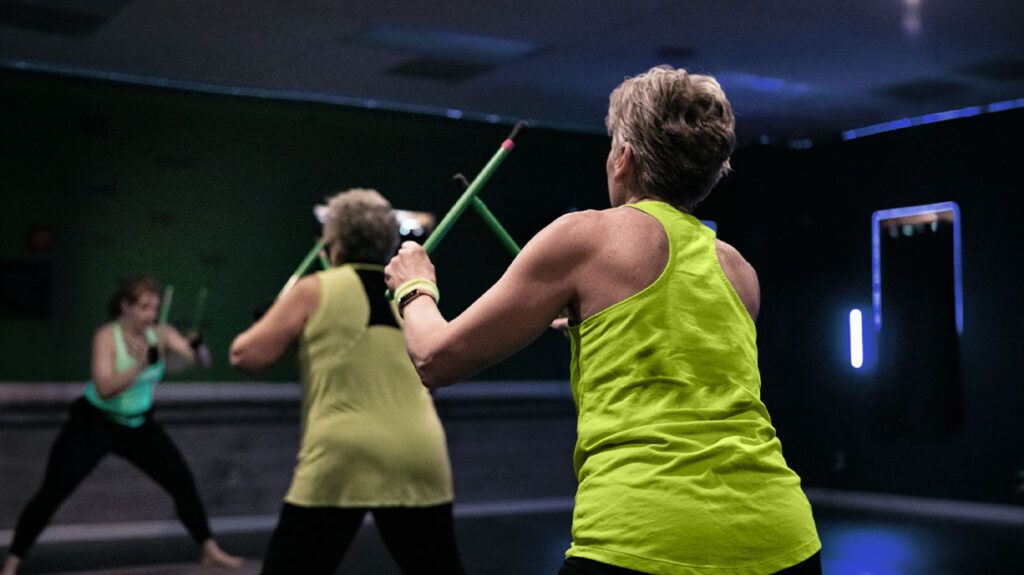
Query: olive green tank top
{"x": 129, "y": 407}
{"x": 679, "y": 467}
{"x": 370, "y": 434}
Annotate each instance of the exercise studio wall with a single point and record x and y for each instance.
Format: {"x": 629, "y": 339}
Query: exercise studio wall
{"x": 218, "y": 192}
{"x": 101, "y": 180}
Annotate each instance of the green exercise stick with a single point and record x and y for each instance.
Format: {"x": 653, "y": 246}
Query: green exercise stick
{"x": 319, "y": 245}
{"x": 498, "y": 229}
{"x": 492, "y": 221}
{"x": 467, "y": 196}
{"x": 474, "y": 188}
{"x": 165, "y": 305}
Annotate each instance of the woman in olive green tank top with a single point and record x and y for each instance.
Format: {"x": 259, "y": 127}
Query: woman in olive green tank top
{"x": 679, "y": 467}
{"x": 371, "y": 439}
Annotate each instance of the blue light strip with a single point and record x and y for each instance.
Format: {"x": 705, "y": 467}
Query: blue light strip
{"x": 933, "y": 118}
{"x": 876, "y": 257}
{"x": 469, "y": 47}
{"x": 856, "y": 339}
{"x": 292, "y": 96}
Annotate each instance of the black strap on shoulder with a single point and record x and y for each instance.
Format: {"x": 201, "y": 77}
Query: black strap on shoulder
{"x": 380, "y": 307}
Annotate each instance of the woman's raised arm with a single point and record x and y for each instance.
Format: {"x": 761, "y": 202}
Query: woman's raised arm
{"x": 540, "y": 283}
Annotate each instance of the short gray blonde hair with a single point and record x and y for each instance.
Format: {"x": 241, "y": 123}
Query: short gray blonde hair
{"x": 362, "y": 224}
{"x": 681, "y": 130}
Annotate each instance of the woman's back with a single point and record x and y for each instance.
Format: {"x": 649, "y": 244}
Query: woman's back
{"x": 678, "y": 464}
{"x": 631, "y": 250}
{"x": 371, "y": 436}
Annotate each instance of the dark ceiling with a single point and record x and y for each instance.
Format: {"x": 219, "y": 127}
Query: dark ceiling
{"x": 794, "y": 70}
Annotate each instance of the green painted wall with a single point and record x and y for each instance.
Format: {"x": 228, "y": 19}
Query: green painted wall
{"x": 217, "y": 191}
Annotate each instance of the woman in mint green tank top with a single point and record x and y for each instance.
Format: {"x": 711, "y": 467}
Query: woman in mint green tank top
{"x": 679, "y": 468}
{"x": 115, "y": 416}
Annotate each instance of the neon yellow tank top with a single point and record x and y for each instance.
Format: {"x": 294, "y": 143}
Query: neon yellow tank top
{"x": 128, "y": 408}
{"x": 679, "y": 467}
{"x": 370, "y": 434}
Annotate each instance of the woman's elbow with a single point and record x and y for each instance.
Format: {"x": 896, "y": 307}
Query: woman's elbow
{"x": 105, "y": 393}
{"x": 241, "y": 362}
{"x": 431, "y": 373}
{"x": 240, "y": 359}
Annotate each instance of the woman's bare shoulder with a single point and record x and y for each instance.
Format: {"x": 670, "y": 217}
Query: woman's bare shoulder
{"x": 104, "y": 331}
{"x": 570, "y": 233}
{"x": 731, "y": 254}
{"x": 741, "y": 275}
{"x": 103, "y": 339}
{"x": 593, "y": 225}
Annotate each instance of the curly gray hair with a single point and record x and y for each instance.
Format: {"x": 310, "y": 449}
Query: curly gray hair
{"x": 361, "y": 225}
{"x": 681, "y": 129}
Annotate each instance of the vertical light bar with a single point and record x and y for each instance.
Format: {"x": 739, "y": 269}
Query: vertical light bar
{"x": 856, "y": 339}
{"x": 958, "y": 272}
{"x": 876, "y": 270}
{"x": 876, "y": 257}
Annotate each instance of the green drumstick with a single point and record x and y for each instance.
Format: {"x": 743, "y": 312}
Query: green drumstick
{"x": 474, "y": 188}
{"x": 319, "y": 245}
{"x": 467, "y": 197}
{"x": 489, "y": 217}
{"x": 165, "y": 306}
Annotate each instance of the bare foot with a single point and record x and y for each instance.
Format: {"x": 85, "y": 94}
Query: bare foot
{"x": 214, "y": 556}
{"x": 11, "y": 565}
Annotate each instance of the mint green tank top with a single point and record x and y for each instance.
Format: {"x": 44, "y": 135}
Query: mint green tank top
{"x": 129, "y": 407}
{"x": 679, "y": 467}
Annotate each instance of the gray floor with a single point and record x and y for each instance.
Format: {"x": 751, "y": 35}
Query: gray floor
{"x": 513, "y": 445}
{"x": 855, "y": 543}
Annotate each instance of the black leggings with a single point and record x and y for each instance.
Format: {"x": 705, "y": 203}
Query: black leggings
{"x": 313, "y": 540}
{"x": 84, "y": 440}
{"x": 581, "y": 566}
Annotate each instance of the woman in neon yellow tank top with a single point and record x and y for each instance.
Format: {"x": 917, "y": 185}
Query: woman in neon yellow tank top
{"x": 679, "y": 467}
{"x": 115, "y": 416}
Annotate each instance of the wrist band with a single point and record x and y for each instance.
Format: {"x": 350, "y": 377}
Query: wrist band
{"x": 422, "y": 284}
{"x": 413, "y": 289}
{"x": 408, "y": 299}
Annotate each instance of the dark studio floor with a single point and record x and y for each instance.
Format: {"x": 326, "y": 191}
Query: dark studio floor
{"x": 881, "y": 537}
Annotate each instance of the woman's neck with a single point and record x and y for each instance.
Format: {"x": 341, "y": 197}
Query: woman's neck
{"x": 641, "y": 197}
{"x": 131, "y": 328}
